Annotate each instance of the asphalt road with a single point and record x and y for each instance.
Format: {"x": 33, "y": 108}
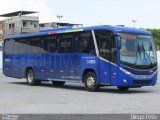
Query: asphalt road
{"x": 17, "y": 97}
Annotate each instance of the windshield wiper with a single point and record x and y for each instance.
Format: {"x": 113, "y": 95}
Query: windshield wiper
{"x": 138, "y": 52}
{"x": 145, "y": 53}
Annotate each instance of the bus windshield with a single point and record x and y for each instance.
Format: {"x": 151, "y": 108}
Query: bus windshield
{"x": 137, "y": 51}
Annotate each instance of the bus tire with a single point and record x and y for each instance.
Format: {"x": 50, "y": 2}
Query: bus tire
{"x": 123, "y": 88}
{"x": 58, "y": 83}
{"x": 31, "y": 78}
{"x": 90, "y": 82}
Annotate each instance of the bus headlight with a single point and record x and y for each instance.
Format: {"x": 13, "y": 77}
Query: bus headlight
{"x": 125, "y": 71}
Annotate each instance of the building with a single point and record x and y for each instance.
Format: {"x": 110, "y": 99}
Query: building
{"x": 21, "y": 22}
{"x": 43, "y": 26}
{"x": 2, "y": 28}
{"x": 158, "y": 47}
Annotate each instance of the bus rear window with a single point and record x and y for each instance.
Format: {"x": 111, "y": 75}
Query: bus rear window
{"x": 9, "y": 46}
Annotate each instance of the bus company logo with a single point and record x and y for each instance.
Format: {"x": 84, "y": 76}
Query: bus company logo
{"x": 91, "y": 61}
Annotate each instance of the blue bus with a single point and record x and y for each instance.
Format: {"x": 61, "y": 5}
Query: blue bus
{"x": 96, "y": 56}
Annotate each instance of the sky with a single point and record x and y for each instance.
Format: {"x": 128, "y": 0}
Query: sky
{"x": 91, "y": 12}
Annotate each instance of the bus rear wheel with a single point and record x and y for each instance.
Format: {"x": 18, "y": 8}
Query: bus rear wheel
{"x": 58, "y": 83}
{"x": 123, "y": 88}
{"x": 31, "y": 78}
{"x": 90, "y": 82}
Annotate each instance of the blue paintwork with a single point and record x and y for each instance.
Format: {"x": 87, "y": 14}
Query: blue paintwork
{"x": 115, "y": 29}
{"x": 70, "y": 67}
{"x": 122, "y": 76}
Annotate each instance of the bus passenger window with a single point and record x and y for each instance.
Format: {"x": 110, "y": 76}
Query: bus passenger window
{"x": 49, "y": 44}
{"x": 86, "y": 44}
{"x": 20, "y": 46}
{"x": 66, "y": 44}
{"x": 52, "y": 46}
{"x": 34, "y": 46}
{"x": 9, "y": 46}
{"x": 45, "y": 46}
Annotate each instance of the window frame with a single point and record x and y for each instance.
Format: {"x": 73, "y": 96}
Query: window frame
{"x": 49, "y": 41}
{"x": 112, "y": 47}
{"x": 91, "y": 45}
{"x": 60, "y": 37}
{"x": 8, "y": 51}
{"x": 23, "y": 44}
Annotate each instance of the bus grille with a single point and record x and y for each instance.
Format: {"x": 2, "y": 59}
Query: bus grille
{"x": 137, "y": 82}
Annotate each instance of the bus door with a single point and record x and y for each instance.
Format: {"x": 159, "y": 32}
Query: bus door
{"x": 104, "y": 64}
{"x": 107, "y": 55}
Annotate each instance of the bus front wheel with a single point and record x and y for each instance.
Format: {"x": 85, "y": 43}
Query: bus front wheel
{"x": 31, "y": 78}
{"x": 90, "y": 82}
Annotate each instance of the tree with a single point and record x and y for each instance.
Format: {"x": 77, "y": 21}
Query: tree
{"x": 156, "y": 35}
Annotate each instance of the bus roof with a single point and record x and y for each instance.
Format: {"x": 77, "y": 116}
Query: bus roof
{"x": 53, "y": 31}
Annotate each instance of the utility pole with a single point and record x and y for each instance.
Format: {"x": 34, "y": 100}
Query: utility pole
{"x": 134, "y": 23}
{"x": 59, "y": 17}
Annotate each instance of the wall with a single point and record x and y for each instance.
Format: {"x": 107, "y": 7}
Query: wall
{"x": 15, "y": 25}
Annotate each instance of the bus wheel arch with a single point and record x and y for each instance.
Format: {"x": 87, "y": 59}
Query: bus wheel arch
{"x": 30, "y": 77}
{"x": 28, "y": 68}
{"x": 90, "y": 80}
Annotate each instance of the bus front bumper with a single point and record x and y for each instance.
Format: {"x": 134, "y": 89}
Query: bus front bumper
{"x": 131, "y": 80}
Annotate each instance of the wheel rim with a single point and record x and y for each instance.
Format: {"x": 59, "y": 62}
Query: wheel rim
{"x": 30, "y": 77}
{"x": 90, "y": 82}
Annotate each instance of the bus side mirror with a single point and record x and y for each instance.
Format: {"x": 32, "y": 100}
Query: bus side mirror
{"x": 119, "y": 42}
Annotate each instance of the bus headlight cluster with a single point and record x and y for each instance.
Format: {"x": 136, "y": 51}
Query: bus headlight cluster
{"x": 138, "y": 76}
{"x": 125, "y": 71}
